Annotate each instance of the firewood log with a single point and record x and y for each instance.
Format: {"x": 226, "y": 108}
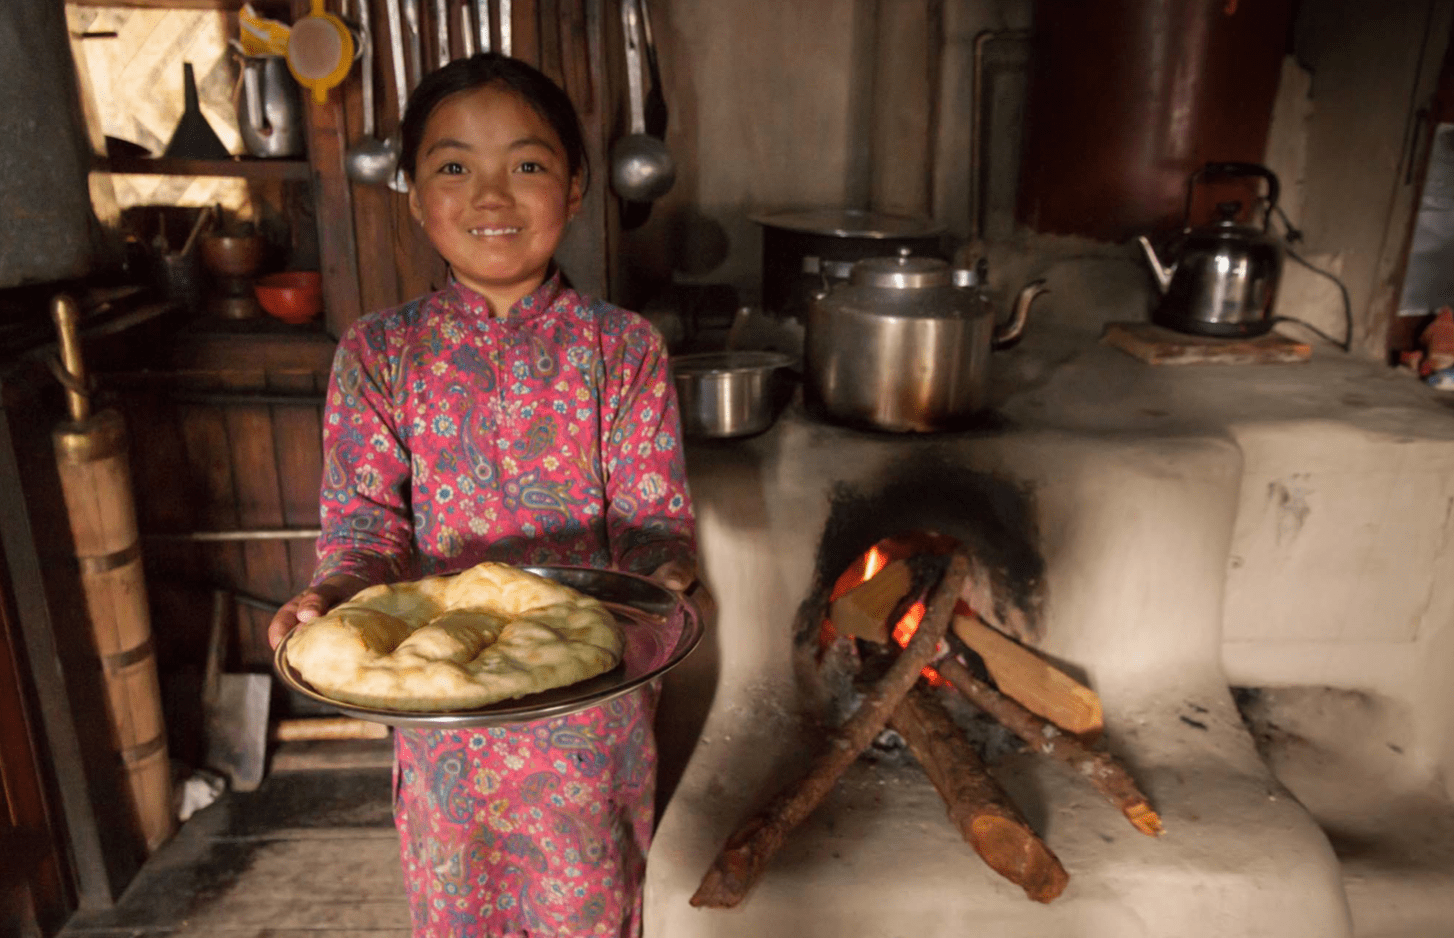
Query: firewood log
{"x": 977, "y": 804}
{"x": 747, "y": 852}
{"x": 1030, "y": 680}
{"x": 1099, "y": 768}
{"x": 863, "y": 612}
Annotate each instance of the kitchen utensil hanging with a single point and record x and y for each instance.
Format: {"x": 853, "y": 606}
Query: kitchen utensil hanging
{"x": 642, "y": 168}
{"x": 397, "y": 180}
{"x": 654, "y": 114}
{"x": 369, "y": 160}
{"x": 321, "y": 50}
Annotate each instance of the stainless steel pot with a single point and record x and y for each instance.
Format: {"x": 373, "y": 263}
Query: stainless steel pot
{"x": 803, "y": 252}
{"x": 731, "y": 394}
{"x": 904, "y": 345}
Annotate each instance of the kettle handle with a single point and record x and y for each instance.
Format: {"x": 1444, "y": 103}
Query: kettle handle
{"x": 1231, "y": 170}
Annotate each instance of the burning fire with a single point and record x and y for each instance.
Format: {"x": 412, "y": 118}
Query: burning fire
{"x": 870, "y": 563}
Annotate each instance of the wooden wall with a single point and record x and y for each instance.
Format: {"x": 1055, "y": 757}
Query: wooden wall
{"x": 227, "y": 438}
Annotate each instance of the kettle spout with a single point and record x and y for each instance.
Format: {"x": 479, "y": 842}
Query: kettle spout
{"x": 1010, "y": 332}
{"x": 1163, "y": 274}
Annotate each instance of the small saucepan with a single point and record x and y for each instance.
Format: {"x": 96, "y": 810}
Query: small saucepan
{"x": 731, "y": 394}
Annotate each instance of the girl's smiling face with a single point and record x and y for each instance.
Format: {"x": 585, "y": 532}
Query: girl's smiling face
{"x": 493, "y": 190}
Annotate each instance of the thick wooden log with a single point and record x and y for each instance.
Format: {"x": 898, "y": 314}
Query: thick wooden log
{"x": 746, "y": 854}
{"x": 1099, "y": 768}
{"x": 977, "y": 804}
{"x": 1030, "y": 680}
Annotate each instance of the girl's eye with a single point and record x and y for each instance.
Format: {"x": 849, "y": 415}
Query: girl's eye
{"x": 451, "y": 169}
{"x": 530, "y": 166}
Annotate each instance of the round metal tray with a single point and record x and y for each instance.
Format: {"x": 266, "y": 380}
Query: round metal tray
{"x": 660, "y": 628}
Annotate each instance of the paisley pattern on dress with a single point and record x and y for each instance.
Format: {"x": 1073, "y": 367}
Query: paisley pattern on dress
{"x": 549, "y": 435}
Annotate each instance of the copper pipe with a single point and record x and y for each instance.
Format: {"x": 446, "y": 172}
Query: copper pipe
{"x": 67, "y": 316}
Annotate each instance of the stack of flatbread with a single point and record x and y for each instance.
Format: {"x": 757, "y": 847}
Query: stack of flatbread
{"x": 459, "y": 642}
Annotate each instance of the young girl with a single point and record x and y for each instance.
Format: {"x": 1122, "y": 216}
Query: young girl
{"x": 507, "y": 418}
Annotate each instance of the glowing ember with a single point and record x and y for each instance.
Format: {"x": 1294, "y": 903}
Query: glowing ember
{"x": 909, "y": 624}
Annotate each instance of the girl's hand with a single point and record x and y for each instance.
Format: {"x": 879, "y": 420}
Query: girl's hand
{"x": 681, "y": 575}
{"x": 312, "y": 603}
{"x": 675, "y": 575}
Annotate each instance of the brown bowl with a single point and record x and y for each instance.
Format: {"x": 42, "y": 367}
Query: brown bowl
{"x": 295, "y": 296}
{"x": 232, "y": 255}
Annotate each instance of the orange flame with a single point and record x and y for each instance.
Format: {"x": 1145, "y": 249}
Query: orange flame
{"x": 872, "y": 562}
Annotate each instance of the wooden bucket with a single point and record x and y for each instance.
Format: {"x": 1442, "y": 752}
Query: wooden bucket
{"x": 96, "y": 483}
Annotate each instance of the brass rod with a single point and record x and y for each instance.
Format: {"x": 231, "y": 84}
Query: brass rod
{"x": 67, "y": 316}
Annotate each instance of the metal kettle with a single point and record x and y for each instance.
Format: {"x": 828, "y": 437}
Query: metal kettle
{"x": 270, "y": 112}
{"x": 1219, "y": 279}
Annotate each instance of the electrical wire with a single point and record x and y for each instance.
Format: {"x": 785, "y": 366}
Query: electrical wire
{"x": 1294, "y": 236}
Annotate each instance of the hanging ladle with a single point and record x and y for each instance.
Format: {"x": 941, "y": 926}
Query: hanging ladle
{"x": 370, "y": 161}
{"x": 397, "y": 180}
{"x": 642, "y": 168}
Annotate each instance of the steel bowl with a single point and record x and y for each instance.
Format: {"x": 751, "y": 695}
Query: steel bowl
{"x": 731, "y": 394}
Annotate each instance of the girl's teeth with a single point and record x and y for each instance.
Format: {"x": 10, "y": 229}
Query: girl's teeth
{"x": 493, "y": 231}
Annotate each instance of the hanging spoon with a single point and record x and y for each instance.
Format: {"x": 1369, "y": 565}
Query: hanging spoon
{"x": 397, "y": 181}
{"x": 370, "y": 160}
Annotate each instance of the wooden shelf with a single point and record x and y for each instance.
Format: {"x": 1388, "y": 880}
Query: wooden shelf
{"x": 262, "y": 6}
{"x": 250, "y": 168}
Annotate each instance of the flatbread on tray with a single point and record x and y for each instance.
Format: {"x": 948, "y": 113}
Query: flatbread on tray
{"x": 491, "y": 633}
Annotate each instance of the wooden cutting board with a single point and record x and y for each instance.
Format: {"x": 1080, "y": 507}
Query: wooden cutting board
{"x": 1158, "y": 345}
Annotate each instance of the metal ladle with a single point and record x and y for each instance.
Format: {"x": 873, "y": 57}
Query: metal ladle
{"x": 397, "y": 181}
{"x": 642, "y": 168}
{"x": 370, "y": 161}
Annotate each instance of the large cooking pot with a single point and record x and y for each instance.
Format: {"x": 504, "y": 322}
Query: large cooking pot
{"x": 802, "y": 252}
{"x": 904, "y": 345}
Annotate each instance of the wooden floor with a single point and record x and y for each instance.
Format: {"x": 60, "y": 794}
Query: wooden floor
{"x": 311, "y": 854}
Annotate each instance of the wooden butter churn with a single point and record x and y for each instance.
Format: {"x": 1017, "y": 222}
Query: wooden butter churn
{"x": 91, "y": 455}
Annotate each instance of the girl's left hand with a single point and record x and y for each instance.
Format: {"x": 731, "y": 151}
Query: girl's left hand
{"x": 675, "y": 575}
{"x": 681, "y": 575}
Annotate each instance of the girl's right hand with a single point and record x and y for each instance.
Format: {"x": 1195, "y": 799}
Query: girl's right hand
{"x": 312, "y": 603}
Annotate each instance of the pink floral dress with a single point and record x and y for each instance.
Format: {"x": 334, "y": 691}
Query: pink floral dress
{"x": 548, "y": 435}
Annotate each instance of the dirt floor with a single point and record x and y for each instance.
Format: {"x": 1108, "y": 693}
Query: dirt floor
{"x": 310, "y": 853}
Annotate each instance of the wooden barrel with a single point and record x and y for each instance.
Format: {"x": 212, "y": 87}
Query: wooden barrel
{"x": 96, "y": 483}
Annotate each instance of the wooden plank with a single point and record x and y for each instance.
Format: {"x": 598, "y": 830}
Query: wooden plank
{"x": 272, "y": 7}
{"x": 525, "y": 31}
{"x": 33, "y": 841}
{"x": 1037, "y": 685}
{"x": 298, "y": 443}
{"x": 304, "y": 352}
{"x": 548, "y": 37}
{"x": 237, "y": 167}
{"x": 337, "y": 248}
{"x": 1157, "y": 345}
{"x": 213, "y": 500}
{"x": 267, "y": 572}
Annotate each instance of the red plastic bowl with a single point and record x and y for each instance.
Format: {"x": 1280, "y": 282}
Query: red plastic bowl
{"x": 295, "y": 296}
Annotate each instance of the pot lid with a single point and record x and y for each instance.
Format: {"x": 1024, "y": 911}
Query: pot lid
{"x": 853, "y": 223}
{"x": 903, "y": 272}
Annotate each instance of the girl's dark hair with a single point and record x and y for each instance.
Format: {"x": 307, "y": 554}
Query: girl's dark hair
{"x": 481, "y": 71}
